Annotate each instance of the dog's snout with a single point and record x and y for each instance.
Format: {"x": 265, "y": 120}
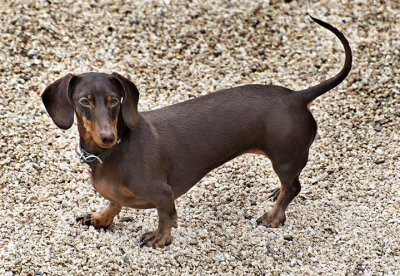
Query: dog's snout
{"x": 107, "y": 137}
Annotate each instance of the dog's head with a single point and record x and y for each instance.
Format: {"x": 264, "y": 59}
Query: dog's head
{"x": 98, "y": 100}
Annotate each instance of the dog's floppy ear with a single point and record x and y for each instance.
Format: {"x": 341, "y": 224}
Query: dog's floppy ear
{"x": 130, "y": 96}
{"x": 57, "y": 100}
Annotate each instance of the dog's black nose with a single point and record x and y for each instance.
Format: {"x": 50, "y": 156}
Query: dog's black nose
{"x": 107, "y": 137}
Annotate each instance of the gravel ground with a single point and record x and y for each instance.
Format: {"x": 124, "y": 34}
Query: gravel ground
{"x": 345, "y": 221}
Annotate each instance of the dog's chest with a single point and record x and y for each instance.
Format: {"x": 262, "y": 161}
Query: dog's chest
{"x": 111, "y": 189}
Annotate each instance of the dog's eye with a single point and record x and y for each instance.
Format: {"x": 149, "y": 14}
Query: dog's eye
{"x": 113, "y": 101}
{"x": 84, "y": 101}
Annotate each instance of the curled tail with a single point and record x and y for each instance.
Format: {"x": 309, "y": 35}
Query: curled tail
{"x": 311, "y": 93}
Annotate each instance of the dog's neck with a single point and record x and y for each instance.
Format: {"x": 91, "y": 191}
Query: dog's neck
{"x": 95, "y": 159}
{"x": 91, "y": 146}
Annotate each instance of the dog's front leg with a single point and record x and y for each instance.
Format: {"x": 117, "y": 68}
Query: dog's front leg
{"x": 167, "y": 218}
{"x": 103, "y": 218}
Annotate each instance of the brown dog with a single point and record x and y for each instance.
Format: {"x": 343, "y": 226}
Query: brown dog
{"x": 148, "y": 159}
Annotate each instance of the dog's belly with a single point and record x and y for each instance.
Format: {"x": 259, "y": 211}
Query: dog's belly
{"x": 120, "y": 194}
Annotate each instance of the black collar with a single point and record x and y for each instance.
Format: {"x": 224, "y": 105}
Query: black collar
{"x": 93, "y": 159}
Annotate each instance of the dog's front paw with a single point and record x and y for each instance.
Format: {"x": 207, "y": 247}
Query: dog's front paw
{"x": 95, "y": 219}
{"x": 155, "y": 239}
{"x": 270, "y": 221}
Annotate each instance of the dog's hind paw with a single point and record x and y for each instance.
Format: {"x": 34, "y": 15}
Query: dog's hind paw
{"x": 155, "y": 239}
{"x": 271, "y": 222}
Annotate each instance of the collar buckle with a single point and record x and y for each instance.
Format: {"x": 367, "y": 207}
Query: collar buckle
{"x": 91, "y": 158}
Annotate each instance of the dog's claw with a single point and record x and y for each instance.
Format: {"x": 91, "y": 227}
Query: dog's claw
{"x": 259, "y": 222}
{"x": 146, "y": 237}
{"x": 143, "y": 237}
{"x": 94, "y": 220}
{"x": 142, "y": 244}
{"x": 274, "y": 195}
{"x": 271, "y": 222}
{"x": 144, "y": 240}
{"x": 156, "y": 239}
{"x": 86, "y": 220}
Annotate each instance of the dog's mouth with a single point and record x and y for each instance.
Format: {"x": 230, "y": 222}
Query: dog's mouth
{"x": 105, "y": 143}
{"x": 106, "y": 146}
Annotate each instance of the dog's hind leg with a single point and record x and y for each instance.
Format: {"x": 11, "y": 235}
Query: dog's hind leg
{"x": 288, "y": 173}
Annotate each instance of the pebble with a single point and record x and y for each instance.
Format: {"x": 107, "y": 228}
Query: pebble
{"x": 134, "y": 22}
{"x": 378, "y": 128}
{"x": 31, "y": 54}
{"x": 288, "y": 237}
{"x": 255, "y": 23}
